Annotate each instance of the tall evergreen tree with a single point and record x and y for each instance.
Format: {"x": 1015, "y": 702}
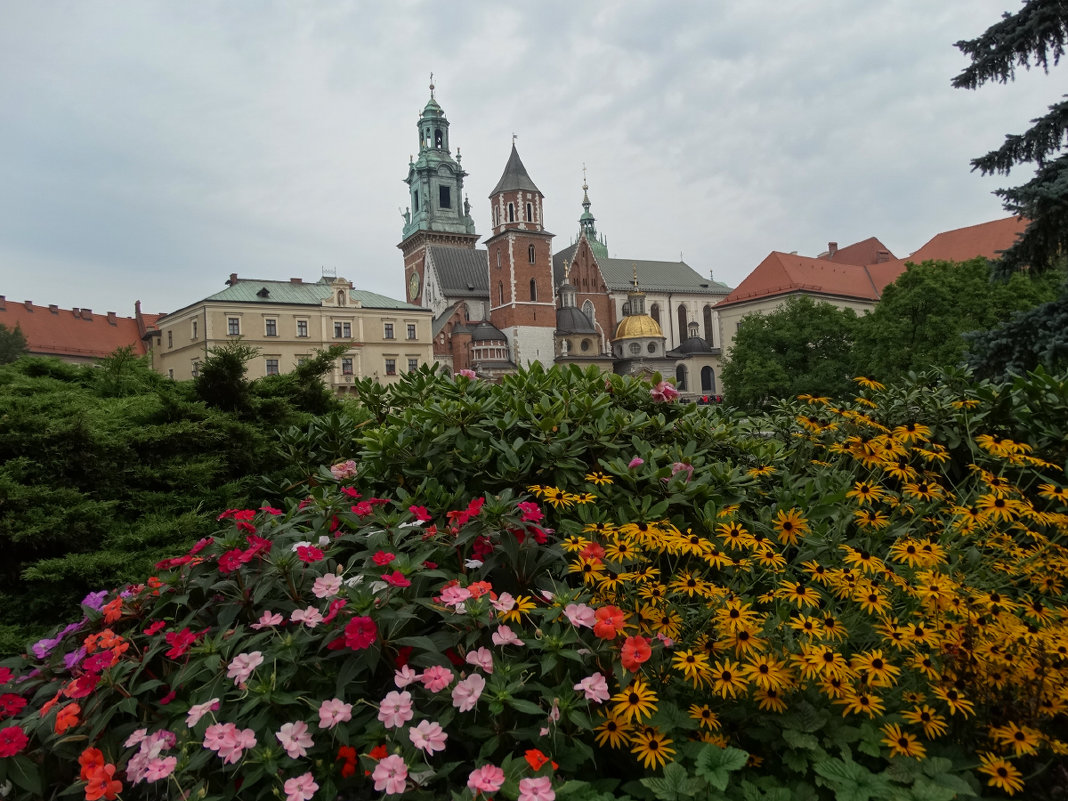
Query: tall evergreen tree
{"x": 1033, "y": 36}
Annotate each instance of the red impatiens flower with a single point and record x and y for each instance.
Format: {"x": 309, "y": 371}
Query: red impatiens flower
{"x": 531, "y": 512}
{"x": 12, "y": 740}
{"x": 335, "y": 607}
{"x": 421, "y": 514}
{"x": 537, "y": 760}
{"x": 10, "y": 705}
{"x": 348, "y": 766}
{"x": 396, "y": 579}
{"x": 594, "y": 552}
{"x": 101, "y": 783}
{"x": 383, "y": 558}
{"x": 232, "y": 560}
{"x": 81, "y": 686}
{"x": 180, "y": 642}
{"x": 90, "y": 759}
{"x": 112, "y": 610}
{"x": 360, "y": 633}
{"x": 67, "y": 717}
{"x": 5, "y": 675}
{"x": 309, "y": 554}
{"x": 609, "y": 622}
{"x": 155, "y": 627}
{"x": 635, "y": 651}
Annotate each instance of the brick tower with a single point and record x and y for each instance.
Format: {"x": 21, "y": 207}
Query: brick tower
{"x": 438, "y": 213}
{"x": 521, "y": 297}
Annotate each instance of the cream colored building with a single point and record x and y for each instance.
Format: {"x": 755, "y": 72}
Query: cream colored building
{"x": 288, "y": 321}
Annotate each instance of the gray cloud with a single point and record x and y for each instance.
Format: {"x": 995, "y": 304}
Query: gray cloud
{"x": 151, "y": 149}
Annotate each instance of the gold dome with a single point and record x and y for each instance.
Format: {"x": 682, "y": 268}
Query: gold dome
{"x": 638, "y": 325}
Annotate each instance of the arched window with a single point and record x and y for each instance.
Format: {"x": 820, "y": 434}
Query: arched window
{"x": 530, "y": 251}
{"x": 680, "y": 378}
{"x": 438, "y": 138}
{"x": 708, "y": 326}
{"x": 498, "y": 260}
{"x": 530, "y": 213}
{"x": 500, "y": 293}
{"x": 654, "y": 312}
{"x": 708, "y": 380}
{"x": 589, "y": 311}
{"x": 496, "y": 215}
{"x": 682, "y": 322}
{"x": 533, "y": 289}
{"x": 467, "y": 314}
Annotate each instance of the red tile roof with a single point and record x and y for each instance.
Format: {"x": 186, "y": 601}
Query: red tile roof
{"x": 785, "y": 273}
{"x": 782, "y": 273}
{"x": 867, "y": 251}
{"x": 77, "y": 334}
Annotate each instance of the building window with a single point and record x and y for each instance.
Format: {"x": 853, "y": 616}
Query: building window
{"x": 680, "y": 378}
{"x": 387, "y": 331}
{"x": 585, "y": 345}
{"x": 233, "y": 326}
{"x": 444, "y": 197}
{"x": 391, "y": 366}
{"x": 498, "y": 260}
{"x": 530, "y": 252}
{"x": 496, "y": 215}
{"x": 635, "y": 348}
{"x": 194, "y": 329}
{"x": 411, "y": 327}
{"x": 682, "y": 322}
{"x": 302, "y": 328}
{"x": 530, "y": 213}
{"x": 413, "y": 365}
{"x": 708, "y": 326}
{"x": 708, "y": 380}
{"x": 272, "y": 367}
{"x": 270, "y": 328}
{"x": 170, "y": 339}
{"x": 652, "y": 347}
{"x": 511, "y": 212}
{"x": 196, "y": 369}
{"x": 346, "y": 365}
{"x": 500, "y": 293}
{"x": 415, "y": 199}
{"x": 342, "y": 330}
{"x": 654, "y": 312}
{"x": 533, "y": 289}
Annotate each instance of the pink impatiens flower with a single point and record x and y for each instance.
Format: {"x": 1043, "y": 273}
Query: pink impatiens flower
{"x": 405, "y": 676}
{"x": 267, "y": 619}
{"x": 437, "y": 678}
{"x": 428, "y": 736}
{"x": 396, "y": 709}
{"x": 301, "y": 788}
{"x": 663, "y": 392}
{"x": 539, "y": 788}
{"x": 635, "y": 462}
{"x": 241, "y": 667}
{"x": 310, "y": 617}
{"x": 581, "y": 615}
{"x": 486, "y": 779}
{"x": 595, "y": 688}
{"x": 197, "y": 711}
{"x": 327, "y": 586}
{"x": 505, "y": 636}
{"x": 482, "y": 658}
{"x": 343, "y": 470}
{"x": 160, "y": 768}
{"x": 467, "y": 692}
{"x": 295, "y": 739}
{"x": 391, "y": 774}
{"x": 333, "y": 712}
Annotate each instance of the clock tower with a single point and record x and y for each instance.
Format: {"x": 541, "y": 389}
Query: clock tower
{"x": 437, "y": 213}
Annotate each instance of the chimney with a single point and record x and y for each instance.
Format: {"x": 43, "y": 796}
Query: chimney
{"x": 52, "y": 307}
{"x": 296, "y": 280}
{"x": 832, "y": 248}
{"x": 76, "y": 312}
{"x": 882, "y": 256}
{"x": 233, "y": 279}
{"x": 3, "y": 302}
{"x": 111, "y": 319}
{"x": 28, "y": 304}
{"x": 87, "y": 314}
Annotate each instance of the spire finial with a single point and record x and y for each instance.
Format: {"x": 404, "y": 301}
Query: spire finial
{"x": 431, "y": 86}
{"x": 584, "y": 187}
{"x": 635, "y": 275}
{"x": 514, "y": 137}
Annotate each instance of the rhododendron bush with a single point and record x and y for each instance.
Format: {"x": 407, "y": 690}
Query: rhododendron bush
{"x": 861, "y": 599}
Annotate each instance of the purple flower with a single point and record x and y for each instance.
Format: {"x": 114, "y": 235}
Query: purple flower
{"x": 95, "y": 600}
{"x": 74, "y": 658}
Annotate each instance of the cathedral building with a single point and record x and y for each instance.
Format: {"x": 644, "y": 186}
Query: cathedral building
{"x": 513, "y": 301}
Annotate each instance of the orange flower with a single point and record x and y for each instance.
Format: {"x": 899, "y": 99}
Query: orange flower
{"x": 90, "y": 759}
{"x": 635, "y": 651}
{"x": 609, "y": 622}
{"x": 537, "y": 760}
{"x": 101, "y": 783}
{"x": 67, "y": 717}
{"x": 479, "y": 588}
{"x": 112, "y": 610}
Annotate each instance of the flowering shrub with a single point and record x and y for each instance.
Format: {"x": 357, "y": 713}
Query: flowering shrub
{"x": 869, "y": 605}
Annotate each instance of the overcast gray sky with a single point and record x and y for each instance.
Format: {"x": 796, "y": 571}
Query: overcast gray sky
{"x": 148, "y": 149}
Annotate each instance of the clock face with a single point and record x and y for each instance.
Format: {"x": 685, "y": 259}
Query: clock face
{"x": 413, "y": 285}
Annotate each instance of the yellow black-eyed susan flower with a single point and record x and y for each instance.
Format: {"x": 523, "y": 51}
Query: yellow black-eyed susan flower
{"x": 635, "y": 702}
{"x": 651, "y": 747}
{"x": 902, "y": 743}
{"x": 1003, "y": 774}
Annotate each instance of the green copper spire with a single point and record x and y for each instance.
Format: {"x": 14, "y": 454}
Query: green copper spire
{"x": 587, "y": 222}
{"x": 435, "y": 179}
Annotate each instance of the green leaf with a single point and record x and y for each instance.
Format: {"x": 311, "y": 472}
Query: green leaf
{"x": 25, "y": 774}
{"x": 715, "y": 764}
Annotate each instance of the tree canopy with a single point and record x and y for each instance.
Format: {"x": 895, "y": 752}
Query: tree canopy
{"x": 12, "y": 343}
{"x": 1033, "y": 36}
{"x": 804, "y": 347}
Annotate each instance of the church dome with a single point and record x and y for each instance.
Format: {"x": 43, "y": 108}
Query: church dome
{"x": 638, "y": 325}
{"x": 694, "y": 345}
{"x": 486, "y": 332}
{"x": 570, "y": 320}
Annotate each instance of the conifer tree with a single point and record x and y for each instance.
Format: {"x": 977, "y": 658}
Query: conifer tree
{"x": 1034, "y": 36}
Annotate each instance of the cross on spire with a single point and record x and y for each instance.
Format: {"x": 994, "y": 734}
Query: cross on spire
{"x": 431, "y": 86}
